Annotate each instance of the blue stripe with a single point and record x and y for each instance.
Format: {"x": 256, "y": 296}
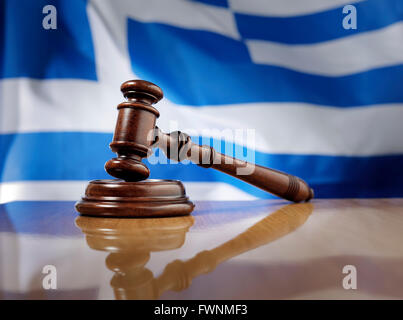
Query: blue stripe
{"x": 323, "y": 26}
{"x": 202, "y": 68}
{"x": 81, "y": 156}
{"x": 217, "y": 3}
{"x": 28, "y": 50}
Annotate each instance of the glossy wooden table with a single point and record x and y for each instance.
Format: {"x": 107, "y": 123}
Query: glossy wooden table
{"x": 226, "y": 250}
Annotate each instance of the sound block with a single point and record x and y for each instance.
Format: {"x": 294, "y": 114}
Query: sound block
{"x": 148, "y": 198}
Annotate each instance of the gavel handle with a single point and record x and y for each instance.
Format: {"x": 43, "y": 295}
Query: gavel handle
{"x": 276, "y": 182}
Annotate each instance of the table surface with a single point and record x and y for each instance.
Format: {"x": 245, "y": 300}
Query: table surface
{"x": 267, "y": 249}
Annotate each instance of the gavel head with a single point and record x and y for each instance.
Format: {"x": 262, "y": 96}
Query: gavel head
{"x": 136, "y": 120}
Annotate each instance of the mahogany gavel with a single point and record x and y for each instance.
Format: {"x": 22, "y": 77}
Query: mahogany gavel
{"x": 136, "y": 134}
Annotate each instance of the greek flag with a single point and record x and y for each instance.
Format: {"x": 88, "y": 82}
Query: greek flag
{"x": 318, "y": 83}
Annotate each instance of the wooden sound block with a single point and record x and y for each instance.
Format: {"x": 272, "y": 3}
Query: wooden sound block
{"x": 148, "y": 198}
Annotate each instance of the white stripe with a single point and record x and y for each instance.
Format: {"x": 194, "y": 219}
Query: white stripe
{"x": 284, "y": 8}
{"x": 305, "y": 129}
{"x": 74, "y": 190}
{"x": 180, "y": 13}
{"x": 295, "y": 128}
{"x": 358, "y": 53}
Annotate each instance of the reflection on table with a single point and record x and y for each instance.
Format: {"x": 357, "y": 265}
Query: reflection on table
{"x": 130, "y": 242}
{"x": 226, "y": 250}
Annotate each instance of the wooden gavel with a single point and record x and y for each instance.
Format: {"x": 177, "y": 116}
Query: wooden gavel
{"x": 136, "y": 134}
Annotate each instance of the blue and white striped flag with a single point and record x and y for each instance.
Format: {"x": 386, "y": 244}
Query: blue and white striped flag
{"x": 322, "y": 91}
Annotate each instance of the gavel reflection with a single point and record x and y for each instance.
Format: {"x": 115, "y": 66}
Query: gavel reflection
{"x": 131, "y": 241}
